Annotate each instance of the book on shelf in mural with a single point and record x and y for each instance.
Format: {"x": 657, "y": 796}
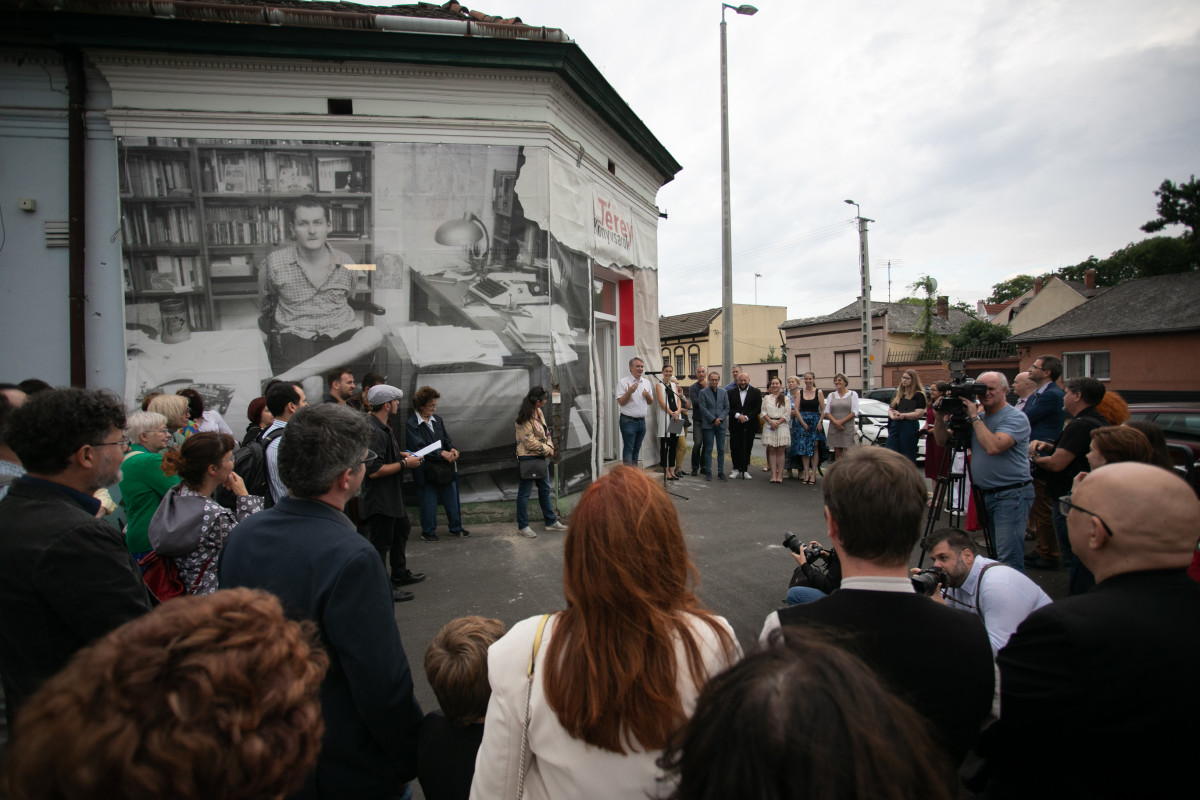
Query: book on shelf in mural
{"x": 333, "y": 174}
{"x": 149, "y": 176}
{"x": 147, "y": 224}
{"x": 293, "y": 172}
{"x": 241, "y": 266}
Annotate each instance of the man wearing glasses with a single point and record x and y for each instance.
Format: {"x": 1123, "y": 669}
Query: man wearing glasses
{"x": 1107, "y": 678}
{"x": 999, "y": 466}
{"x": 66, "y": 578}
{"x": 306, "y": 551}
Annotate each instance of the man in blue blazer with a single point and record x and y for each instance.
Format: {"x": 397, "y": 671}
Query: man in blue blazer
{"x": 307, "y": 552}
{"x": 712, "y": 416}
{"x": 1044, "y": 408}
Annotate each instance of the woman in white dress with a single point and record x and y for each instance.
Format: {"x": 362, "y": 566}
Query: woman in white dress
{"x": 617, "y": 673}
{"x": 776, "y": 436}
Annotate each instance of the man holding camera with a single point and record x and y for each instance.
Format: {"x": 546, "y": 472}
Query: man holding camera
{"x": 809, "y": 581}
{"x": 1002, "y": 601}
{"x": 935, "y": 658}
{"x": 999, "y": 465}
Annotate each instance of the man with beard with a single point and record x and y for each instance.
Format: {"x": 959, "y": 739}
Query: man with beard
{"x": 997, "y": 594}
{"x": 66, "y": 577}
{"x": 745, "y": 404}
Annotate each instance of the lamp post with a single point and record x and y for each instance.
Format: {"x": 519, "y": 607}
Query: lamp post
{"x": 726, "y": 214}
{"x": 865, "y": 276}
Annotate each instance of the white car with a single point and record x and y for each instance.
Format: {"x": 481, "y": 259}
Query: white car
{"x": 873, "y": 425}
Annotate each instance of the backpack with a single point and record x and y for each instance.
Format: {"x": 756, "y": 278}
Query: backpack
{"x": 161, "y": 577}
{"x": 250, "y": 463}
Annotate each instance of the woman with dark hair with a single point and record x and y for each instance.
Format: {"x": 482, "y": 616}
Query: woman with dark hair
{"x": 670, "y": 401}
{"x": 1114, "y": 443}
{"x": 615, "y": 674}
{"x": 260, "y": 419}
{"x": 1158, "y": 442}
{"x": 204, "y": 697}
{"x": 807, "y": 404}
{"x": 203, "y": 421}
{"x": 776, "y": 437}
{"x": 908, "y": 406}
{"x": 190, "y": 528}
{"x": 534, "y": 442}
{"x": 933, "y": 453}
{"x": 437, "y": 479}
{"x": 806, "y": 719}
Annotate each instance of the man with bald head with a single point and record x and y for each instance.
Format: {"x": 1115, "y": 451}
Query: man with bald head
{"x": 1022, "y": 387}
{"x": 1108, "y": 677}
{"x": 999, "y": 466}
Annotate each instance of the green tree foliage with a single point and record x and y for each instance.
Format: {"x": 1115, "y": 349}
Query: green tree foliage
{"x": 979, "y": 333}
{"x": 1010, "y": 289}
{"x": 930, "y": 339}
{"x": 1177, "y": 205}
{"x": 966, "y": 308}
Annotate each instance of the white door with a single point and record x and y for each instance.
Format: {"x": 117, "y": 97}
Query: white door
{"x": 607, "y": 434}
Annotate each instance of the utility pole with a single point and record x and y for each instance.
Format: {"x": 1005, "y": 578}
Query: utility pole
{"x": 865, "y": 276}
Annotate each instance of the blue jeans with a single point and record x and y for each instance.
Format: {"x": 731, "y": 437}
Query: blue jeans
{"x": 428, "y": 497}
{"x": 799, "y": 595}
{"x": 1007, "y": 512}
{"x": 632, "y": 432}
{"x": 523, "y": 492}
{"x": 711, "y": 433}
{"x": 1081, "y": 577}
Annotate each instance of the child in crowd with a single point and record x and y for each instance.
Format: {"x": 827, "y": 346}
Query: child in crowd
{"x": 456, "y": 666}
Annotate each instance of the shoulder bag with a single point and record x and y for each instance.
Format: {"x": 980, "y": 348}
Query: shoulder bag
{"x": 537, "y": 643}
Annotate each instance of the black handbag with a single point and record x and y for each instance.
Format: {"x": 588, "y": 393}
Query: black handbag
{"x": 438, "y": 470}
{"x": 533, "y": 469}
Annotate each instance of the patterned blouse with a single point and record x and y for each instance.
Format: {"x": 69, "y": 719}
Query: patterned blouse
{"x": 218, "y": 522}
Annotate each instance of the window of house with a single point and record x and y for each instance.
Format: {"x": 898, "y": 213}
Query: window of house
{"x": 848, "y": 362}
{"x": 679, "y": 373}
{"x": 666, "y": 357}
{"x": 803, "y": 364}
{"x": 1092, "y": 364}
{"x": 693, "y": 359}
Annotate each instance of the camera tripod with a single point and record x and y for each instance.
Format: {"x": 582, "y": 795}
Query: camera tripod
{"x": 954, "y": 474}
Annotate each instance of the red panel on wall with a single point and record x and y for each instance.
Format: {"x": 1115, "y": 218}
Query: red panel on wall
{"x": 625, "y": 312}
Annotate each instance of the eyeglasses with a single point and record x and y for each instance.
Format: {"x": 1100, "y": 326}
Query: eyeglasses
{"x": 1065, "y": 505}
{"x": 123, "y": 443}
{"x": 371, "y": 456}
{"x": 160, "y": 430}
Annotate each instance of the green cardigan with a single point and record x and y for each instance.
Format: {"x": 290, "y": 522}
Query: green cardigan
{"x": 143, "y": 485}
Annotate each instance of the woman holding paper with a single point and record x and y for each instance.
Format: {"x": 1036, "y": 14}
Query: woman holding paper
{"x": 437, "y": 480}
{"x": 670, "y": 400}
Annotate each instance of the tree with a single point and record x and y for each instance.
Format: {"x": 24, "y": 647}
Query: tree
{"x": 1158, "y": 255}
{"x": 966, "y": 308}
{"x": 931, "y": 340}
{"x": 1010, "y": 289}
{"x": 980, "y": 333}
{"x": 1177, "y": 205}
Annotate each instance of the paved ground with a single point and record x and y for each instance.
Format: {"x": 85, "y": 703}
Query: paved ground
{"x": 734, "y": 532}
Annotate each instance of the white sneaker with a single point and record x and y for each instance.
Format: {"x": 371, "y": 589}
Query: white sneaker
{"x": 746, "y": 476}
{"x": 557, "y": 526}
{"x": 735, "y": 475}
{"x": 527, "y": 532}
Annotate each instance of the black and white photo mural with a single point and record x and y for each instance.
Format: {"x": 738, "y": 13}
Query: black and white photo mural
{"x": 430, "y": 264}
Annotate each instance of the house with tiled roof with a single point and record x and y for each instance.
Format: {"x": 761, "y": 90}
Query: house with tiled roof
{"x": 1140, "y": 337}
{"x": 693, "y": 339}
{"x": 475, "y": 180}
{"x": 832, "y": 343}
{"x": 1049, "y": 298}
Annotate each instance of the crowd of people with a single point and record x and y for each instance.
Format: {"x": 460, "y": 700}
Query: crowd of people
{"x": 281, "y": 670}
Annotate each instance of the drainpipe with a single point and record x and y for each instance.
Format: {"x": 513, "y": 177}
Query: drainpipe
{"x": 76, "y": 209}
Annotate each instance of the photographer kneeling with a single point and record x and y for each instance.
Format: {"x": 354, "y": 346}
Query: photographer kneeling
{"x": 1002, "y": 601}
{"x": 809, "y": 580}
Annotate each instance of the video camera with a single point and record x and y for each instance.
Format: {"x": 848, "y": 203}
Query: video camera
{"x": 952, "y": 403}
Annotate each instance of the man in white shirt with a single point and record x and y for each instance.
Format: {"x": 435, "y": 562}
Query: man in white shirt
{"x": 634, "y": 398}
{"x": 997, "y": 594}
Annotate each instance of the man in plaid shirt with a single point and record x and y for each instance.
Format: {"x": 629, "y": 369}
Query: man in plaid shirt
{"x": 310, "y": 288}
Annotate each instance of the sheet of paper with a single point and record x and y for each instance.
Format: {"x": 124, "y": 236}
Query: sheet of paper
{"x": 436, "y": 447}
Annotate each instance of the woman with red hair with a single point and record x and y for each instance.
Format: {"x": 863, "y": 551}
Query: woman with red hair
{"x": 614, "y": 675}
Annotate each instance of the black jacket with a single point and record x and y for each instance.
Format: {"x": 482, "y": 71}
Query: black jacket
{"x": 66, "y": 579}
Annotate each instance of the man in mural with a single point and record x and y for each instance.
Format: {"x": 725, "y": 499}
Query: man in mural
{"x": 634, "y": 397}
{"x": 306, "y": 290}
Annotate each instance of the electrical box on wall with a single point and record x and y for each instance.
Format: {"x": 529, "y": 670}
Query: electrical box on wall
{"x": 27, "y": 204}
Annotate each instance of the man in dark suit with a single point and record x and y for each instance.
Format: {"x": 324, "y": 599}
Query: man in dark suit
{"x": 745, "y": 404}
{"x": 712, "y": 415}
{"x": 307, "y": 552}
{"x": 1106, "y": 679}
{"x": 937, "y": 659}
{"x": 1044, "y": 409}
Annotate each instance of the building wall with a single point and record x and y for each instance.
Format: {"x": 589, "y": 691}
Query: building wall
{"x": 755, "y": 333}
{"x": 816, "y": 349}
{"x": 1157, "y": 362}
{"x": 1055, "y": 299}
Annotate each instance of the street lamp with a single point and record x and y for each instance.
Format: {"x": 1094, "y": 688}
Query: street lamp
{"x": 864, "y": 270}
{"x": 726, "y": 214}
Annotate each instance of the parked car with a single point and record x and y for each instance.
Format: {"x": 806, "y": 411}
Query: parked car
{"x": 883, "y": 395}
{"x": 1180, "y": 423}
{"x": 873, "y": 425}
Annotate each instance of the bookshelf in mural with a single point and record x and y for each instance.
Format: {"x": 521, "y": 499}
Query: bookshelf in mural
{"x": 199, "y": 215}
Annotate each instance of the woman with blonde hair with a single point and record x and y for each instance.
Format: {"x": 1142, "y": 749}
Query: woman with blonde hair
{"x": 175, "y": 409}
{"x": 907, "y": 407}
{"x": 584, "y": 700}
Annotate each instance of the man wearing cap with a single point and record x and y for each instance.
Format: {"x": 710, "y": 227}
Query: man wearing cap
{"x": 381, "y": 504}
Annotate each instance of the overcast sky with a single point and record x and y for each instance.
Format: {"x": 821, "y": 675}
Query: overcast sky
{"x": 986, "y": 139}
